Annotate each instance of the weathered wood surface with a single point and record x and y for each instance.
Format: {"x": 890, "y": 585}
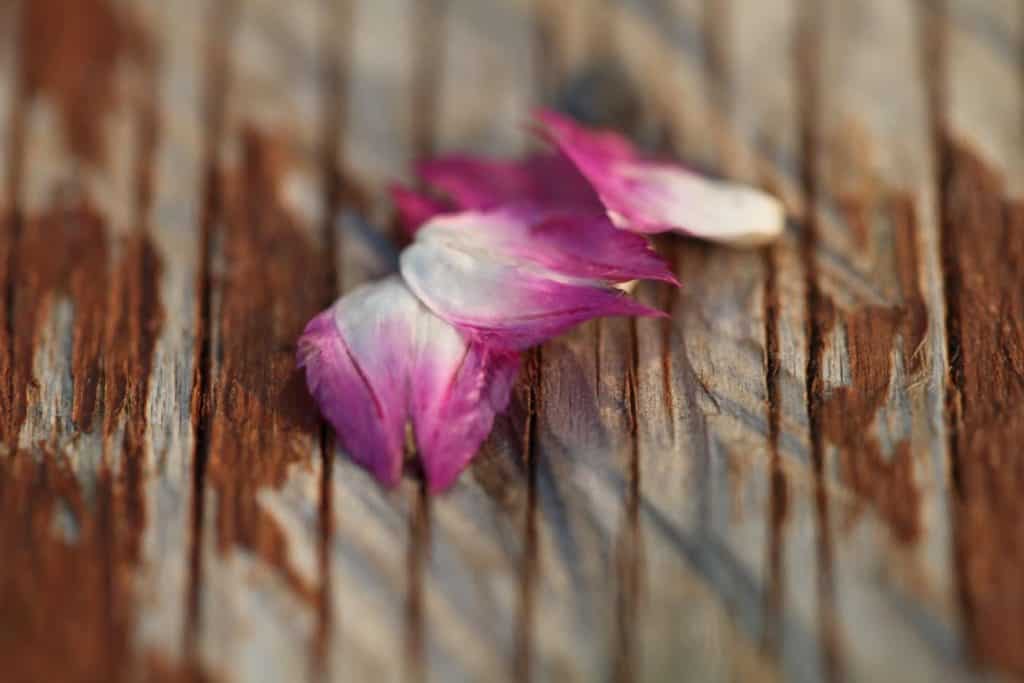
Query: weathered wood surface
{"x": 810, "y": 471}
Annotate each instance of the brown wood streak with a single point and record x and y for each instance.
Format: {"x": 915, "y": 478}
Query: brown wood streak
{"x": 61, "y": 66}
{"x": 337, "y": 22}
{"x": 214, "y": 97}
{"x": 629, "y": 550}
{"x": 525, "y": 400}
{"x": 778, "y": 499}
{"x": 70, "y": 599}
{"x": 983, "y": 263}
{"x": 257, "y": 397}
{"x": 847, "y": 414}
{"x": 808, "y": 75}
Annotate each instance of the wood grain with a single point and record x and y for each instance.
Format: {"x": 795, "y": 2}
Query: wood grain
{"x": 878, "y": 317}
{"x": 370, "y": 587}
{"x": 258, "y": 571}
{"x": 981, "y": 183}
{"x": 808, "y": 472}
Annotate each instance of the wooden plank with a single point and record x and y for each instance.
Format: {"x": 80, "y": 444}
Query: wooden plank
{"x": 767, "y": 120}
{"x": 983, "y": 254}
{"x": 879, "y": 391}
{"x": 101, "y": 488}
{"x": 259, "y": 570}
{"x": 71, "y": 179}
{"x": 474, "y": 619}
{"x": 575, "y": 440}
{"x": 164, "y": 264}
{"x": 706, "y": 466}
{"x": 370, "y": 588}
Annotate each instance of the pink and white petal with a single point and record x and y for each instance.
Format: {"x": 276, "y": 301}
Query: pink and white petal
{"x": 570, "y": 243}
{"x": 652, "y": 197}
{"x": 457, "y": 389}
{"x": 415, "y": 208}
{"x": 573, "y": 138}
{"x": 353, "y": 356}
{"x": 507, "y": 305}
{"x": 475, "y": 183}
{"x": 378, "y": 360}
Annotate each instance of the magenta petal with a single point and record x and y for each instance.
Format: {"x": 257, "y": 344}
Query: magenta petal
{"x": 454, "y": 411}
{"x": 650, "y": 197}
{"x": 415, "y": 208}
{"x": 568, "y": 242}
{"x": 378, "y": 360}
{"x": 474, "y": 183}
{"x": 477, "y": 271}
{"x": 362, "y": 401}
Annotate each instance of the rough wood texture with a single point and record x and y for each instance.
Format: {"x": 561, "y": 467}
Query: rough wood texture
{"x": 810, "y": 471}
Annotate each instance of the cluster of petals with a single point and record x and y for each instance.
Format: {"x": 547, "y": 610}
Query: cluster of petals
{"x": 504, "y": 255}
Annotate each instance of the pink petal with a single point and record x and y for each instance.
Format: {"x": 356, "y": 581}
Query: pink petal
{"x": 650, "y": 197}
{"x": 378, "y": 360}
{"x": 508, "y": 279}
{"x": 474, "y": 183}
{"x": 565, "y": 241}
{"x": 454, "y": 410}
{"x": 415, "y": 208}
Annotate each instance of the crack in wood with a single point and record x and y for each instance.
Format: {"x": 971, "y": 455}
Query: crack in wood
{"x": 215, "y": 90}
{"x": 335, "y": 65}
{"x": 808, "y": 75}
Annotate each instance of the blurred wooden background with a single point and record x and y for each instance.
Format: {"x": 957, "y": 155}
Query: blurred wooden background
{"x": 813, "y": 471}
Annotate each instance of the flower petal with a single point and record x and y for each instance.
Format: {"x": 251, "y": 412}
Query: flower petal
{"x": 506, "y": 279}
{"x": 415, "y": 208}
{"x": 650, "y": 197}
{"x": 378, "y": 360}
{"x": 569, "y": 242}
{"x": 354, "y": 354}
{"x": 453, "y": 410}
{"x": 474, "y": 183}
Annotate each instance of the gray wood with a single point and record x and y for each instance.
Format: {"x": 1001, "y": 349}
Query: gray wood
{"x": 651, "y": 507}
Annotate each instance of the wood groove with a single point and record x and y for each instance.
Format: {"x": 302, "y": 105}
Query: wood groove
{"x": 525, "y": 621}
{"x": 778, "y": 487}
{"x": 219, "y": 42}
{"x": 336, "y": 30}
{"x": 809, "y": 77}
{"x": 630, "y": 553}
{"x": 416, "y": 559}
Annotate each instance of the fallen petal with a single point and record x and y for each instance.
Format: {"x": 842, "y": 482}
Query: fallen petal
{"x": 513, "y": 277}
{"x": 378, "y": 360}
{"x": 474, "y": 183}
{"x": 650, "y": 197}
{"x": 415, "y": 208}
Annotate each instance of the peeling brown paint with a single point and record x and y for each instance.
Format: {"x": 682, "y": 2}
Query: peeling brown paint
{"x": 80, "y": 591}
{"x": 983, "y": 261}
{"x": 69, "y": 53}
{"x": 65, "y": 592}
{"x": 258, "y": 400}
{"x": 848, "y": 414}
{"x": 913, "y": 311}
{"x": 873, "y": 333}
{"x": 62, "y": 251}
